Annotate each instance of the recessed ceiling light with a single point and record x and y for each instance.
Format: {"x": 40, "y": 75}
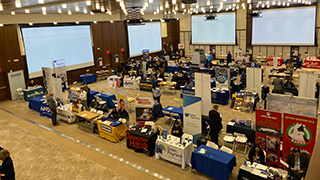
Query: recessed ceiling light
{"x": 27, "y": 11}
{"x": 95, "y": 22}
{"x": 41, "y": 1}
{"x": 55, "y": 23}
{"x": 1, "y": 7}
{"x": 13, "y": 13}
{"x": 91, "y": 13}
{"x": 69, "y": 12}
{"x": 77, "y": 8}
{"x": 151, "y": 20}
{"x": 59, "y": 10}
{"x": 44, "y": 12}
{"x": 31, "y": 24}
{"x": 64, "y": 6}
{"x": 77, "y": 22}
{"x": 174, "y": 2}
{"x": 88, "y": 3}
{"x": 44, "y": 8}
{"x": 111, "y": 21}
{"x": 1, "y": 25}
{"x": 103, "y": 9}
{"x": 150, "y": 1}
{"x": 85, "y": 10}
{"x": 183, "y": 5}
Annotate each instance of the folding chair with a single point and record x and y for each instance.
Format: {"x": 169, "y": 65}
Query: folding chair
{"x": 240, "y": 140}
{"x": 167, "y": 116}
{"x": 228, "y": 139}
{"x": 175, "y": 117}
{"x": 212, "y": 144}
{"x": 20, "y": 92}
{"x": 226, "y": 149}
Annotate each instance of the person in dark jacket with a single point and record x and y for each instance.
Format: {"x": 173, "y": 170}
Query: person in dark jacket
{"x": 6, "y": 169}
{"x": 298, "y": 164}
{"x": 278, "y": 86}
{"x": 177, "y": 129}
{"x": 87, "y": 89}
{"x": 256, "y": 154}
{"x": 53, "y": 107}
{"x": 215, "y": 124}
{"x": 229, "y": 58}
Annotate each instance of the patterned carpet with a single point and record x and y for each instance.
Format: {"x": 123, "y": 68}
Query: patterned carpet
{"x": 37, "y": 158}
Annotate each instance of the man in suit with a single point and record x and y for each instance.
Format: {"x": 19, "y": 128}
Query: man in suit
{"x": 53, "y": 107}
{"x": 215, "y": 124}
{"x": 229, "y": 58}
{"x": 298, "y": 164}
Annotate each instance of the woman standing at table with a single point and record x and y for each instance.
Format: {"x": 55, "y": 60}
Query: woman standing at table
{"x": 256, "y": 154}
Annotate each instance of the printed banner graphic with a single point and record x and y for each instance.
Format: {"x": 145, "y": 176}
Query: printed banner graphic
{"x": 300, "y": 132}
{"x": 268, "y": 133}
{"x": 192, "y": 116}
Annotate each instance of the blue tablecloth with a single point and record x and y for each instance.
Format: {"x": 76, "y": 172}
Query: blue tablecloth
{"x": 35, "y": 103}
{"x": 108, "y": 99}
{"x": 216, "y": 164}
{"x": 88, "y": 78}
{"x": 175, "y": 110}
{"x": 92, "y": 93}
{"x": 146, "y": 85}
{"x": 172, "y": 69}
{"x": 45, "y": 110}
{"x": 31, "y": 93}
{"x": 220, "y": 97}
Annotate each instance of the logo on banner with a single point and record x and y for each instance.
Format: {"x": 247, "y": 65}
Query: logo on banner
{"x": 193, "y": 116}
{"x": 143, "y": 101}
{"x": 214, "y": 95}
{"x": 106, "y": 128}
{"x": 299, "y": 134}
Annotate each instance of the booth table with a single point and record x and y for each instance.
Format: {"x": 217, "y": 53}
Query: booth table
{"x": 246, "y": 172}
{"x": 45, "y": 110}
{"x": 270, "y": 61}
{"x": 172, "y": 69}
{"x": 173, "y": 151}
{"x": 88, "y": 78}
{"x": 88, "y": 118}
{"x": 215, "y": 163}
{"x": 35, "y": 103}
{"x": 108, "y": 99}
{"x": 131, "y": 83}
{"x": 141, "y": 142}
{"x": 248, "y": 131}
{"x": 31, "y": 93}
{"x": 177, "y": 110}
{"x": 110, "y": 131}
{"x": 146, "y": 85}
{"x": 312, "y": 64}
{"x": 66, "y": 114}
{"x": 92, "y": 94}
{"x": 220, "y": 96}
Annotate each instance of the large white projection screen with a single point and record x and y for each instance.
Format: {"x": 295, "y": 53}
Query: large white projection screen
{"x": 147, "y": 36}
{"x": 292, "y": 26}
{"x": 46, "y": 44}
{"x": 220, "y": 31}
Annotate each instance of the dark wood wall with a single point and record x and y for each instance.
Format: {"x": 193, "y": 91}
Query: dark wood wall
{"x": 106, "y": 37}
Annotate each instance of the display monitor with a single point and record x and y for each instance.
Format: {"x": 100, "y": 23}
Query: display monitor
{"x": 220, "y": 30}
{"x": 285, "y": 26}
{"x": 46, "y": 44}
{"x": 145, "y": 36}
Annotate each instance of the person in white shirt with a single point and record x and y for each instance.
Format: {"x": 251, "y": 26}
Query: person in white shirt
{"x": 83, "y": 98}
{"x": 156, "y": 93}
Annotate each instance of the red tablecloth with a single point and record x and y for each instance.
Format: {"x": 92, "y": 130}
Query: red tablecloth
{"x": 312, "y": 64}
{"x": 270, "y": 61}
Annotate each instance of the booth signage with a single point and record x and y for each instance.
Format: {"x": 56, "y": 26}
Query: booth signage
{"x": 300, "y": 132}
{"x": 312, "y": 64}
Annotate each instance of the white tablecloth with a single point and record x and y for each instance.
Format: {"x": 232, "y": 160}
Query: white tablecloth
{"x": 173, "y": 151}
{"x": 131, "y": 83}
{"x": 65, "y": 115}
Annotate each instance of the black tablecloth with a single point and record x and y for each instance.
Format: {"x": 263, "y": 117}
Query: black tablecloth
{"x": 141, "y": 141}
{"x": 248, "y": 131}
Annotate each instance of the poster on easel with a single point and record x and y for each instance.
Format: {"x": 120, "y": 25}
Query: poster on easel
{"x": 268, "y": 133}
{"x": 222, "y": 78}
{"x": 192, "y": 116}
{"x": 122, "y": 101}
{"x": 298, "y": 131}
{"x": 144, "y": 109}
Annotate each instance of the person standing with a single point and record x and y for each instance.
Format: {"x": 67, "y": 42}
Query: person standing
{"x": 298, "y": 164}
{"x": 229, "y": 58}
{"x": 53, "y": 108}
{"x": 298, "y": 62}
{"x": 71, "y": 95}
{"x": 156, "y": 93}
{"x": 87, "y": 89}
{"x": 215, "y": 124}
{"x": 6, "y": 169}
{"x": 83, "y": 97}
{"x": 278, "y": 86}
